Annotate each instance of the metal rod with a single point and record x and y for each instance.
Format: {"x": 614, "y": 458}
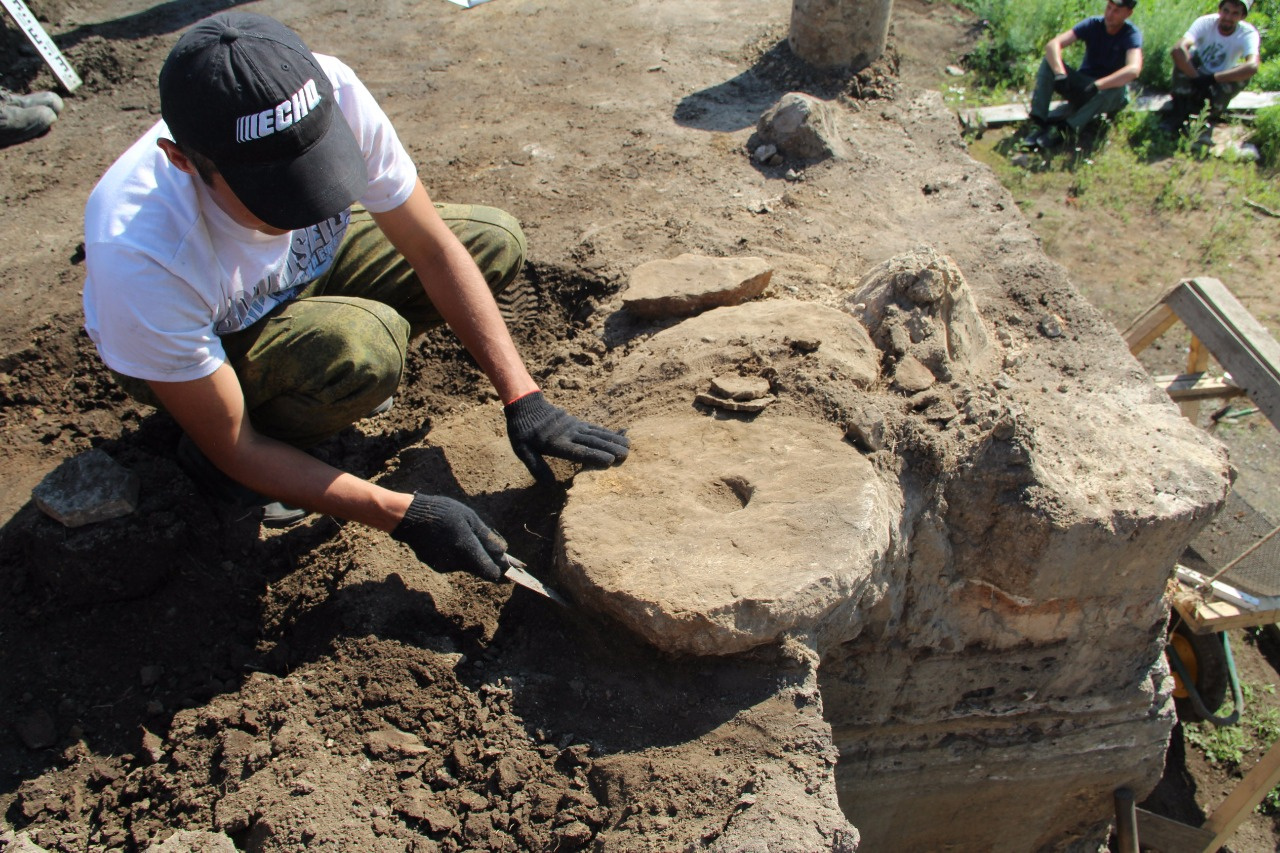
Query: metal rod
{"x": 1126, "y": 822}
{"x": 1255, "y": 546}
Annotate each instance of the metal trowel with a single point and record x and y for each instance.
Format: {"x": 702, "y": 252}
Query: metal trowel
{"x": 515, "y": 572}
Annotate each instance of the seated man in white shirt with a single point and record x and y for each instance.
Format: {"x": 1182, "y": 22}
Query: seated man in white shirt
{"x": 231, "y": 282}
{"x": 1212, "y": 63}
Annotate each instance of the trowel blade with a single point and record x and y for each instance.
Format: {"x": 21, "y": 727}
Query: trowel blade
{"x": 516, "y": 574}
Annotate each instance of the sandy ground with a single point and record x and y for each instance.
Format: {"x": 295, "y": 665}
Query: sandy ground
{"x": 155, "y": 667}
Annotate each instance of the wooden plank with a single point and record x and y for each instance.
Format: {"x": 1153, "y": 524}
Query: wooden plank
{"x": 1008, "y": 114}
{"x": 1197, "y": 362}
{"x": 1211, "y": 617}
{"x": 1197, "y": 356}
{"x": 1153, "y": 323}
{"x": 1246, "y": 101}
{"x": 1225, "y": 302}
{"x": 1198, "y": 386}
{"x": 1264, "y": 776}
{"x": 1165, "y": 835}
{"x": 1209, "y": 606}
{"x": 1239, "y": 342}
{"x": 1001, "y": 114}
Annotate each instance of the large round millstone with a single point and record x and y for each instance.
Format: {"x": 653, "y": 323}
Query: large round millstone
{"x": 717, "y": 536}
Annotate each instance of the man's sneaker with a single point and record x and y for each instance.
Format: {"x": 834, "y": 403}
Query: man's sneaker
{"x": 18, "y": 124}
{"x": 241, "y": 501}
{"x": 35, "y": 99}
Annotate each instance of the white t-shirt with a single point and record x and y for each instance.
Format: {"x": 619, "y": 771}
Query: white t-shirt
{"x": 168, "y": 271}
{"x": 1217, "y": 52}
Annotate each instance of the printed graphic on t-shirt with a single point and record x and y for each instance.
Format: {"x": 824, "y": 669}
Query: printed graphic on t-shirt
{"x": 1213, "y": 56}
{"x": 310, "y": 255}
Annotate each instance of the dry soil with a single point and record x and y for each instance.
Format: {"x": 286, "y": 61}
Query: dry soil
{"x": 154, "y": 670}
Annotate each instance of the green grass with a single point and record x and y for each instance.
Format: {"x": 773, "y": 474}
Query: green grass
{"x": 1227, "y": 746}
{"x": 1009, "y": 52}
{"x": 1132, "y": 167}
{"x": 1266, "y": 131}
{"x": 1222, "y": 745}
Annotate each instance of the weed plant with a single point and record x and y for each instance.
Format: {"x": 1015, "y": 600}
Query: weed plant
{"x": 1016, "y": 30}
{"x": 1266, "y": 135}
{"x": 1265, "y": 15}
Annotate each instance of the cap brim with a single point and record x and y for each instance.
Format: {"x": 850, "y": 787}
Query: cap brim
{"x": 303, "y": 190}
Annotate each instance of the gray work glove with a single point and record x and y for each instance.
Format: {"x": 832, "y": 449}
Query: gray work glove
{"x": 537, "y": 428}
{"x": 448, "y": 536}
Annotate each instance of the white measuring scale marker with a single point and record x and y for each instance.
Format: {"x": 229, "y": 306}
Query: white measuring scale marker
{"x": 38, "y": 37}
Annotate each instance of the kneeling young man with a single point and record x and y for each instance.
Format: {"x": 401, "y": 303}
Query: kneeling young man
{"x": 233, "y": 280}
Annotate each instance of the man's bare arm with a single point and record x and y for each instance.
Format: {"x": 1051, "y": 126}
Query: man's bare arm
{"x": 450, "y": 276}
{"x": 211, "y": 411}
{"x": 1053, "y": 51}
{"x": 1181, "y": 55}
{"x": 458, "y": 290}
{"x": 1124, "y": 75}
{"x": 1239, "y": 73}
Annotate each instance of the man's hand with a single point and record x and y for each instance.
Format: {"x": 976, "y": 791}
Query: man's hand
{"x": 1062, "y": 84}
{"x": 537, "y": 428}
{"x": 1204, "y": 81}
{"x": 448, "y": 536}
{"x": 1088, "y": 90}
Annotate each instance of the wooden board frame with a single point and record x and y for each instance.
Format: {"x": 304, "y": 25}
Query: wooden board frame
{"x": 1220, "y": 326}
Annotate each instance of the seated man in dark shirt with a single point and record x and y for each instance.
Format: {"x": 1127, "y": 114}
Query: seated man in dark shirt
{"x": 1112, "y": 59}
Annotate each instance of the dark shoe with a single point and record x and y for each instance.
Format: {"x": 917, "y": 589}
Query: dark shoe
{"x": 18, "y": 124}
{"x": 1034, "y": 140}
{"x": 35, "y": 99}
{"x": 241, "y": 501}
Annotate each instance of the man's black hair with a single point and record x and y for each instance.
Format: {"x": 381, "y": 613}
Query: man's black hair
{"x": 204, "y": 166}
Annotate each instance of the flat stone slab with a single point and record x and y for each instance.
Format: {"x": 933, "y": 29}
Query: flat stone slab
{"x": 88, "y": 488}
{"x": 690, "y": 284}
{"x": 194, "y": 841}
{"x": 802, "y": 344}
{"x": 718, "y": 536}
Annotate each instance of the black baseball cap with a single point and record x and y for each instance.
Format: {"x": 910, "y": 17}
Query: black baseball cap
{"x": 243, "y": 90}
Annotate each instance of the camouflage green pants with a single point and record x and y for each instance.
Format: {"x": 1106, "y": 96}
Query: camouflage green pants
{"x": 1189, "y": 100}
{"x": 314, "y": 366}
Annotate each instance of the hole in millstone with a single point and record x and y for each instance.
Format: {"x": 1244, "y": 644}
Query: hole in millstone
{"x": 727, "y": 494}
{"x": 741, "y": 488}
